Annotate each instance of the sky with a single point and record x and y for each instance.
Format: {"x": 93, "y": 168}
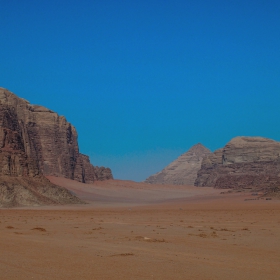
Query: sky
{"x": 143, "y": 81}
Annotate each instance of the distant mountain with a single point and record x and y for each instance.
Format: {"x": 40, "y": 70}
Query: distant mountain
{"x": 244, "y": 163}
{"x": 182, "y": 171}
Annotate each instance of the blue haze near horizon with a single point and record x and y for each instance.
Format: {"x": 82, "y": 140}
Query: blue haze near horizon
{"x": 143, "y": 81}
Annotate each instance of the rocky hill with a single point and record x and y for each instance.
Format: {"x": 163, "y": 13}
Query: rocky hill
{"x": 182, "y": 171}
{"x": 245, "y": 162}
{"x": 33, "y": 191}
{"x": 35, "y": 141}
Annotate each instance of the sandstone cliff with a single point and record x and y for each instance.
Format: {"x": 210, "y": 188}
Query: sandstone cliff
{"x": 35, "y": 141}
{"x": 182, "y": 171}
{"x": 48, "y": 141}
{"x": 245, "y": 162}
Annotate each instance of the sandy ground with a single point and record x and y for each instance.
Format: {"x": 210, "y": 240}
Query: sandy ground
{"x": 137, "y": 231}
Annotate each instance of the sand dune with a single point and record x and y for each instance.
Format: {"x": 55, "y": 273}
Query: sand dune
{"x": 118, "y": 192}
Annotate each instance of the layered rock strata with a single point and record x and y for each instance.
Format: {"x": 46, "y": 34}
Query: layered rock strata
{"x": 245, "y": 162}
{"x": 182, "y": 171}
{"x": 44, "y": 140}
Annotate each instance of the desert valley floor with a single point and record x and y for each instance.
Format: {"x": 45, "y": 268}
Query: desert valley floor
{"x": 133, "y": 230}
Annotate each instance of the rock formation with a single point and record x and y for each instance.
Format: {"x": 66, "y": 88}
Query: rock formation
{"x": 33, "y": 191}
{"x": 245, "y": 162}
{"x": 48, "y": 140}
{"x": 182, "y": 171}
{"x": 35, "y": 141}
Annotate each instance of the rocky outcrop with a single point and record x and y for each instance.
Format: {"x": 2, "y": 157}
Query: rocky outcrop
{"x": 245, "y": 162}
{"x": 34, "y": 142}
{"x": 33, "y": 191}
{"x": 46, "y": 139}
{"x": 86, "y": 172}
{"x": 182, "y": 171}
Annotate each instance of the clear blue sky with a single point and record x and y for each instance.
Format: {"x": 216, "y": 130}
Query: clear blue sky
{"x": 143, "y": 81}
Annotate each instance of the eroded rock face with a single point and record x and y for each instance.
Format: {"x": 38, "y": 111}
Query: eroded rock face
{"x": 13, "y": 158}
{"x": 182, "y": 171}
{"x": 21, "y": 182}
{"x": 245, "y": 162}
{"x": 86, "y": 172}
{"x": 42, "y": 142}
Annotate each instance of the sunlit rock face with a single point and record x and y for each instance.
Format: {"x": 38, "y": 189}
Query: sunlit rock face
{"x": 245, "y": 162}
{"x": 183, "y": 170}
{"x": 46, "y": 139}
{"x": 35, "y": 141}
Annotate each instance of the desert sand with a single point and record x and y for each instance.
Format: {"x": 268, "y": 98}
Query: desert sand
{"x": 133, "y": 230}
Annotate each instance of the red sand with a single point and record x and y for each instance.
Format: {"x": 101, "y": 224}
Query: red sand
{"x": 137, "y": 231}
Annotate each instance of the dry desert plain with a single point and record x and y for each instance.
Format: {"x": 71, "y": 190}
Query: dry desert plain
{"x": 133, "y": 230}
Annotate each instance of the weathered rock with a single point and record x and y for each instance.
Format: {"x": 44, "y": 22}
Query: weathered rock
{"x": 182, "y": 171}
{"x": 21, "y": 182}
{"x": 13, "y": 157}
{"x": 86, "y": 172}
{"x": 46, "y": 139}
{"x": 33, "y": 191}
{"x": 35, "y": 141}
{"x": 245, "y": 162}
